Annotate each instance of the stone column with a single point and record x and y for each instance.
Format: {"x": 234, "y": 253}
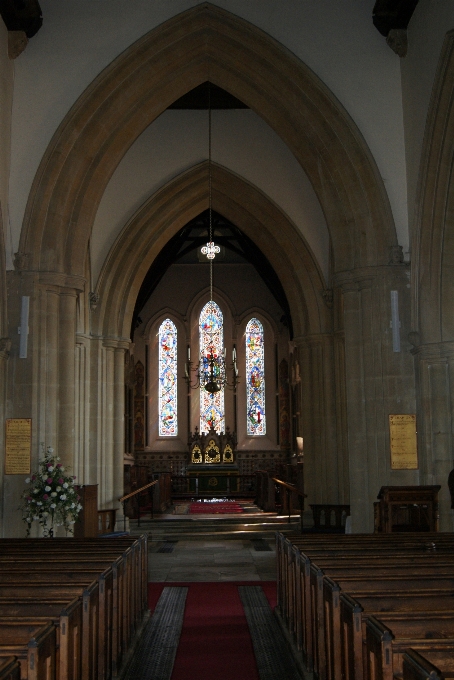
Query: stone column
{"x": 379, "y": 381}
{"x": 106, "y": 471}
{"x": 49, "y": 375}
{"x": 67, "y": 376}
{"x": 83, "y": 407}
{"x": 319, "y": 419}
{"x": 434, "y": 364}
{"x": 5, "y": 346}
{"x": 111, "y": 472}
{"x": 119, "y": 429}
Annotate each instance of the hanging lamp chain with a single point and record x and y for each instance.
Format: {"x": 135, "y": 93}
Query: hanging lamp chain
{"x": 209, "y": 189}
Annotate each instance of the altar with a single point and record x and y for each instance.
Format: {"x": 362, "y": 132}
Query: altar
{"x": 213, "y": 469}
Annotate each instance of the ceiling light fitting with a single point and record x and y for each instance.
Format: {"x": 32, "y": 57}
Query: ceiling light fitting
{"x": 211, "y": 371}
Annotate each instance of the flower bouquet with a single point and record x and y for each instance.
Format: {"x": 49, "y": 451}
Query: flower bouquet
{"x": 50, "y": 499}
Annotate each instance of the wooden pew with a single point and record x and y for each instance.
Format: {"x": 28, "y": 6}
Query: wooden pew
{"x": 299, "y": 603}
{"x": 301, "y": 607}
{"x": 35, "y": 647}
{"x": 129, "y": 592}
{"x": 417, "y": 666}
{"x": 68, "y": 620}
{"x": 119, "y": 603}
{"x": 298, "y": 594}
{"x": 385, "y": 649}
{"x": 345, "y": 546}
{"x": 9, "y": 668}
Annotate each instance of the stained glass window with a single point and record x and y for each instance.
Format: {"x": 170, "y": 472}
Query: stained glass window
{"x": 255, "y": 378}
{"x": 211, "y": 335}
{"x": 168, "y": 418}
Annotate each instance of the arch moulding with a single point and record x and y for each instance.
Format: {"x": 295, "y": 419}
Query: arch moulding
{"x": 170, "y": 209}
{"x": 434, "y": 278}
{"x": 204, "y": 43}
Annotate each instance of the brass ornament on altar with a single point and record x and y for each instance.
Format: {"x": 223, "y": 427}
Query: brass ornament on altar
{"x": 227, "y": 455}
{"x": 213, "y": 467}
{"x": 196, "y": 455}
{"x": 212, "y": 454}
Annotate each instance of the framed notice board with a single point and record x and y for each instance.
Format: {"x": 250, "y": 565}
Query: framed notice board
{"x": 402, "y": 440}
{"x": 18, "y": 446}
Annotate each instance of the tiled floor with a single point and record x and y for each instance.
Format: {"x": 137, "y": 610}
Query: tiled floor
{"x": 204, "y": 560}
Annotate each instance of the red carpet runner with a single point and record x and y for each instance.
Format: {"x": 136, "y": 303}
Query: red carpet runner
{"x": 215, "y": 643}
{"x": 215, "y": 508}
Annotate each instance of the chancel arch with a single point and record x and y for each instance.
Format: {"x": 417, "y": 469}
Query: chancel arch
{"x": 432, "y": 333}
{"x": 160, "y": 68}
{"x": 203, "y": 44}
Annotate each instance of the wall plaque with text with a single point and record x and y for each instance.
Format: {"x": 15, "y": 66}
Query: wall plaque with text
{"x": 18, "y": 446}
{"x": 402, "y": 438}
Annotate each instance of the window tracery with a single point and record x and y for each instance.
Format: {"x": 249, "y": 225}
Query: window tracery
{"x": 211, "y": 339}
{"x": 255, "y": 379}
{"x": 168, "y": 416}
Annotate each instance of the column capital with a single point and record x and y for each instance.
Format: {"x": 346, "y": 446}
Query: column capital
{"x": 355, "y": 279}
{"x": 435, "y": 351}
{"x": 67, "y": 283}
{"x": 121, "y": 344}
{"x": 305, "y": 340}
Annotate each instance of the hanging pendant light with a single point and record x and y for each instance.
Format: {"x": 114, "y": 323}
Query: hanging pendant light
{"x": 211, "y": 372}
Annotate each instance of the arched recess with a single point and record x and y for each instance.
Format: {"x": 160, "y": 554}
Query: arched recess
{"x": 176, "y": 204}
{"x": 204, "y": 43}
{"x": 434, "y": 279}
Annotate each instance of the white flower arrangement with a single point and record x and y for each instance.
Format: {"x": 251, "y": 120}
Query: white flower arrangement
{"x": 40, "y": 502}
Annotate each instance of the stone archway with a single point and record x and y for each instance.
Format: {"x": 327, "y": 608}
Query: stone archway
{"x": 433, "y": 287}
{"x": 169, "y": 210}
{"x": 244, "y": 205}
{"x": 205, "y": 43}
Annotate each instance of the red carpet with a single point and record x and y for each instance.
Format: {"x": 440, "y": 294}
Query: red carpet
{"x": 214, "y": 508}
{"x": 215, "y": 643}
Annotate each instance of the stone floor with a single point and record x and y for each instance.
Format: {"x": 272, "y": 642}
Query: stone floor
{"x": 210, "y": 560}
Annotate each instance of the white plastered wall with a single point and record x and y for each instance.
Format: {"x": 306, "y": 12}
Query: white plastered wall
{"x": 178, "y": 140}
{"x": 336, "y": 39}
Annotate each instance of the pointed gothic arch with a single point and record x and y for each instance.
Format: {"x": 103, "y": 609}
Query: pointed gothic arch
{"x": 204, "y": 43}
{"x": 434, "y": 232}
{"x": 245, "y": 206}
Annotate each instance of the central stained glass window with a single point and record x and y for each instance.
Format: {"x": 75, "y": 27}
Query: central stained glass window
{"x": 168, "y": 418}
{"x": 255, "y": 378}
{"x": 211, "y": 335}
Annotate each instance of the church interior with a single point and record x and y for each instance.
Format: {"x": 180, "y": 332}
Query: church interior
{"x": 225, "y": 276}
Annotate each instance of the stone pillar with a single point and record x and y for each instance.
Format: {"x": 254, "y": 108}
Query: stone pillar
{"x": 379, "y": 381}
{"x": 82, "y": 410}
{"x": 106, "y": 471}
{"x": 5, "y": 346}
{"x": 111, "y": 470}
{"x": 321, "y": 462}
{"x": 434, "y": 365}
{"x": 119, "y": 429}
{"x": 49, "y": 377}
{"x": 67, "y": 377}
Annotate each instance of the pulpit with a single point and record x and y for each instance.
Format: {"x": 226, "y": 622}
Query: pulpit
{"x": 213, "y": 469}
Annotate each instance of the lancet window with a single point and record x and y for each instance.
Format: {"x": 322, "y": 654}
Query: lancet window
{"x": 168, "y": 415}
{"x": 255, "y": 378}
{"x": 211, "y": 339}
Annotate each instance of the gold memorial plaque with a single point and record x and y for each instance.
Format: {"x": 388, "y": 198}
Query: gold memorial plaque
{"x": 403, "y": 444}
{"x": 18, "y": 446}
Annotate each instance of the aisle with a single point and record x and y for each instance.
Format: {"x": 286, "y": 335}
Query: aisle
{"x": 215, "y": 643}
{"x": 229, "y": 632}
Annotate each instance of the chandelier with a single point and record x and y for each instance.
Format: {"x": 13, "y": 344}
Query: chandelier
{"x": 211, "y": 370}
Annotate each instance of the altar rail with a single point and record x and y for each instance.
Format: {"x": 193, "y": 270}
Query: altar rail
{"x": 245, "y": 485}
